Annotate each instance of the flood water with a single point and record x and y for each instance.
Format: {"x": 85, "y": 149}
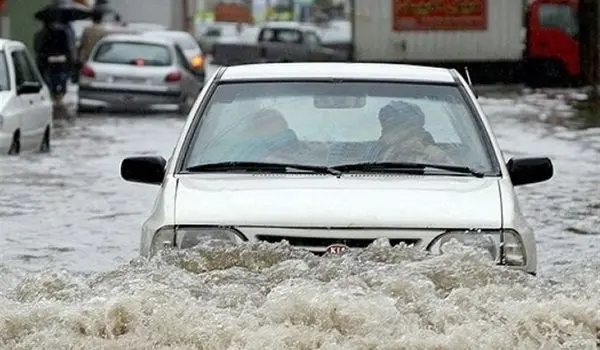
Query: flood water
{"x": 70, "y": 233}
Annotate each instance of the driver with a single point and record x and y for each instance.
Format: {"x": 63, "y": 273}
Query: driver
{"x": 404, "y": 138}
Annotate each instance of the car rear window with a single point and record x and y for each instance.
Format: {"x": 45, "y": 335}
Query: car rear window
{"x": 129, "y": 52}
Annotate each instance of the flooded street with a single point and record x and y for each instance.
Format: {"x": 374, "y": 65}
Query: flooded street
{"x": 70, "y": 230}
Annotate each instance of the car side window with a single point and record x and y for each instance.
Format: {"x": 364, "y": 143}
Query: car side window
{"x": 20, "y": 75}
{"x": 24, "y": 69}
{"x": 559, "y": 16}
{"x": 32, "y": 73}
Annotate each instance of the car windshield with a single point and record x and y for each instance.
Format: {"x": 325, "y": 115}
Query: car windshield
{"x": 4, "y": 77}
{"x": 117, "y": 52}
{"x": 330, "y": 124}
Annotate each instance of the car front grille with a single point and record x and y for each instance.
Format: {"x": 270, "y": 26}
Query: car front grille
{"x": 320, "y": 244}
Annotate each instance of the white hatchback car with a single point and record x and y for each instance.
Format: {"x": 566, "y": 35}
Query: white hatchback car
{"x": 331, "y": 156}
{"x": 25, "y": 102}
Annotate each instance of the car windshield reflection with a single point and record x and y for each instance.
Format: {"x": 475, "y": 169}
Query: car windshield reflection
{"x": 328, "y": 124}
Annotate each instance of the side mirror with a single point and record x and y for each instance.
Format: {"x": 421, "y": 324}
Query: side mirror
{"x": 525, "y": 171}
{"x": 29, "y": 87}
{"x": 147, "y": 170}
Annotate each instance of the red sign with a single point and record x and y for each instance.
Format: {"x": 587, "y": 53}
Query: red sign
{"x": 233, "y": 13}
{"x": 439, "y": 14}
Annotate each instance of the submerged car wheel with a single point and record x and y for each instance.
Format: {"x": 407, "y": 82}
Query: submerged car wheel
{"x": 45, "y": 146}
{"x": 15, "y": 146}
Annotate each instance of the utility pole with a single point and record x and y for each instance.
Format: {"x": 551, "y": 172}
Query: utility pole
{"x": 185, "y": 18}
{"x": 588, "y": 50}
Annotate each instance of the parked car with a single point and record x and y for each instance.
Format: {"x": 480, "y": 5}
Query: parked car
{"x": 276, "y": 42}
{"x": 208, "y": 34}
{"x": 295, "y": 151}
{"x": 132, "y": 72}
{"x": 188, "y": 44}
{"x": 25, "y": 102}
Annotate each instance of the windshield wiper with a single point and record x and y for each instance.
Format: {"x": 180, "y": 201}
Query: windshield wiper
{"x": 405, "y": 167}
{"x": 260, "y": 166}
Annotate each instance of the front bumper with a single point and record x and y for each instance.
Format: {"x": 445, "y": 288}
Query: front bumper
{"x": 129, "y": 100}
{"x": 318, "y": 240}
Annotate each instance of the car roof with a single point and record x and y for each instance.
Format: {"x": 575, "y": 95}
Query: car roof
{"x": 5, "y": 42}
{"x": 288, "y": 25}
{"x": 136, "y": 38}
{"x": 167, "y": 32}
{"x": 338, "y": 70}
{"x": 145, "y": 25}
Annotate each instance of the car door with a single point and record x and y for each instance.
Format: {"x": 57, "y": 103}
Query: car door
{"x": 42, "y": 102}
{"x": 191, "y": 83}
{"x": 12, "y": 108}
{"x": 33, "y": 120}
{"x": 25, "y": 125}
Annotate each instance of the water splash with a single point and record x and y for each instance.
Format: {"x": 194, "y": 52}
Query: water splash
{"x": 274, "y": 296}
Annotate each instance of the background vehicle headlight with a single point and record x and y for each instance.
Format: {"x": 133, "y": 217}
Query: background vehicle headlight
{"x": 183, "y": 237}
{"x": 504, "y": 247}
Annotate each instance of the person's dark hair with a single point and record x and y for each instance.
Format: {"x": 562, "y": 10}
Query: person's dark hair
{"x": 97, "y": 16}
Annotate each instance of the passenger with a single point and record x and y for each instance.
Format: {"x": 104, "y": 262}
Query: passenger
{"x": 270, "y": 137}
{"x": 404, "y": 138}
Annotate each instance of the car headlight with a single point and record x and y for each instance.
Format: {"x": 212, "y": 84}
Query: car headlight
{"x": 183, "y": 237}
{"x": 504, "y": 246}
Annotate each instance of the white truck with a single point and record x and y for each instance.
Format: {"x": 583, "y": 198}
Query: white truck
{"x": 485, "y": 35}
{"x": 168, "y": 13}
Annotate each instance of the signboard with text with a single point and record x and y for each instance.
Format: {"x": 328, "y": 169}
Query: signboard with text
{"x": 439, "y": 15}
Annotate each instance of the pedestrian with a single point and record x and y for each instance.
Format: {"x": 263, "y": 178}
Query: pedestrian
{"x": 55, "y": 56}
{"x": 118, "y": 21}
{"x": 92, "y": 34}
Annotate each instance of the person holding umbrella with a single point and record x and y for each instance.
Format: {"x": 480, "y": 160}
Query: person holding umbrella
{"x": 54, "y": 46}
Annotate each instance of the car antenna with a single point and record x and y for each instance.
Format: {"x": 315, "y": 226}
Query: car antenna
{"x": 470, "y": 82}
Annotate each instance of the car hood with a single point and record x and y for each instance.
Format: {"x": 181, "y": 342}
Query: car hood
{"x": 326, "y": 201}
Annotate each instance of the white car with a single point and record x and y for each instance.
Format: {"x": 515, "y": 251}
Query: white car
{"x": 186, "y": 42}
{"x": 295, "y": 151}
{"x": 25, "y": 102}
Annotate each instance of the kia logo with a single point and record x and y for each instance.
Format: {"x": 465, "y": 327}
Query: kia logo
{"x": 336, "y": 249}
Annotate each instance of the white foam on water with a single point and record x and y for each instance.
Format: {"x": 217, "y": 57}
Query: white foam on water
{"x": 265, "y": 296}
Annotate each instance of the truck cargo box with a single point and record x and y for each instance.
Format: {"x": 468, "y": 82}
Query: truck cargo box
{"x": 417, "y": 31}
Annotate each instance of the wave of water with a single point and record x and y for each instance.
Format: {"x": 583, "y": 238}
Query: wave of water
{"x": 265, "y": 296}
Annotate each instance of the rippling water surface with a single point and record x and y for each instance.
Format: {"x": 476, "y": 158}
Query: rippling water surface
{"x": 69, "y": 278}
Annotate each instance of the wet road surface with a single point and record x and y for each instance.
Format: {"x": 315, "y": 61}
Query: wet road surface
{"x": 70, "y": 229}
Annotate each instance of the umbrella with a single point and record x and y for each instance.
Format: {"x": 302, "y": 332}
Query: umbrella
{"x": 63, "y": 13}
